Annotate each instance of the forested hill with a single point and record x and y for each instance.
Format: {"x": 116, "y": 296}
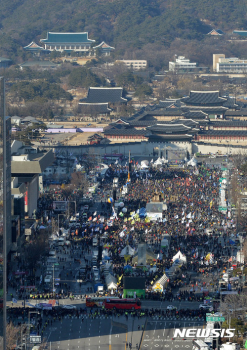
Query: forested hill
{"x": 136, "y": 22}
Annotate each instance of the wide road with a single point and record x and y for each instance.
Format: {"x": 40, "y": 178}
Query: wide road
{"x": 110, "y": 333}
{"x": 159, "y": 334}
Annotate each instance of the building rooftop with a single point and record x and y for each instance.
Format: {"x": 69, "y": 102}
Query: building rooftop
{"x": 104, "y": 95}
{"x": 59, "y": 38}
{"x": 33, "y": 47}
{"x": 35, "y": 163}
{"x": 204, "y": 98}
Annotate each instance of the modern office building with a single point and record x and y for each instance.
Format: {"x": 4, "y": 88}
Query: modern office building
{"x": 221, "y": 64}
{"x": 5, "y": 207}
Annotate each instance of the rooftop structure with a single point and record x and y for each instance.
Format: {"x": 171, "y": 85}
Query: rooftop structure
{"x": 104, "y": 95}
{"x": 104, "y": 48}
{"x": 33, "y": 47}
{"x": 67, "y": 42}
{"x": 215, "y": 32}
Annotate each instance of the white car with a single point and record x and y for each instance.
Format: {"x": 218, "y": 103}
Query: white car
{"x": 69, "y": 307}
{"x": 206, "y": 306}
{"x": 171, "y": 307}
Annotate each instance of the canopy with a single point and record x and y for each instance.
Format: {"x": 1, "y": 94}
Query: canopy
{"x": 127, "y": 251}
{"x": 111, "y": 282}
{"x": 144, "y": 162}
{"x": 192, "y": 162}
{"x": 144, "y": 166}
{"x": 160, "y": 284}
{"x": 179, "y": 257}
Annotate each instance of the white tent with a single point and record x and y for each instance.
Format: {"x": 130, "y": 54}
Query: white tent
{"x": 144, "y": 166}
{"x": 160, "y": 284}
{"x": 127, "y": 251}
{"x": 179, "y": 256}
{"x": 192, "y": 162}
{"x": 144, "y": 162}
{"x": 111, "y": 282}
{"x": 158, "y": 162}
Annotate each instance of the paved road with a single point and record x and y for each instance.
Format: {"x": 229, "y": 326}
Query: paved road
{"x": 113, "y": 333}
{"x": 159, "y": 334}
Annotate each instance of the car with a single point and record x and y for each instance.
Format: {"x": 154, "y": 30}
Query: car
{"x": 171, "y": 307}
{"x": 206, "y": 306}
{"x": 86, "y": 207}
{"x": 69, "y": 307}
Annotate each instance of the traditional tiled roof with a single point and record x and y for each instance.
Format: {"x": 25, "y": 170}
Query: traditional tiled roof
{"x": 33, "y": 47}
{"x": 230, "y": 102}
{"x": 187, "y": 122}
{"x": 241, "y": 113}
{"x": 215, "y": 32}
{"x": 98, "y": 108}
{"x": 170, "y": 137}
{"x": 203, "y": 98}
{"x": 240, "y": 32}
{"x": 206, "y": 109}
{"x": 240, "y": 133}
{"x": 195, "y": 115}
{"x": 61, "y": 38}
{"x": 104, "y": 94}
{"x": 169, "y": 128}
{"x": 168, "y": 103}
{"x": 104, "y": 46}
{"x": 126, "y": 132}
{"x": 229, "y": 124}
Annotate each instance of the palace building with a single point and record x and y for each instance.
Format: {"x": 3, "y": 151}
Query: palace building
{"x": 78, "y": 42}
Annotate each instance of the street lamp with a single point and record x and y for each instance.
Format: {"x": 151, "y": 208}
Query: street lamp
{"x": 53, "y": 289}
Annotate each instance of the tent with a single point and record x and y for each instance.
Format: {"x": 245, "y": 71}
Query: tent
{"x": 111, "y": 282}
{"x": 160, "y": 284}
{"x": 179, "y": 257}
{"x": 192, "y": 162}
{"x": 144, "y": 166}
{"x": 158, "y": 162}
{"x": 127, "y": 251}
{"x": 144, "y": 162}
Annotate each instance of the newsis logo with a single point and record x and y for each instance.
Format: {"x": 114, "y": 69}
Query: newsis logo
{"x": 203, "y": 333}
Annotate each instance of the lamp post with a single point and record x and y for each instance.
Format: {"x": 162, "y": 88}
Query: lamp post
{"x": 53, "y": 289}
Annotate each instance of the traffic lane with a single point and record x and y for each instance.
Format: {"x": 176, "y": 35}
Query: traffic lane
{"x": 118, "y": 338}
{"x": 153, "y": 304}
{"x": 160, "y": 335}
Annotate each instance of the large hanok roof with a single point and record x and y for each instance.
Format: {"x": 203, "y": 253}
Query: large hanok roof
{"x": 204, "y": 98}
{"x": 169, "y": 128}
{"x": 61, "y": 38}
{"x": 104, "y": 46}
{"x": 33, "y": 47}
{"x": 105, "y": 94}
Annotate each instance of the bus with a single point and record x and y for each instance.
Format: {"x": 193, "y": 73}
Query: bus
{"x": 124, "y": 304}
{"x": 96, "y": 302}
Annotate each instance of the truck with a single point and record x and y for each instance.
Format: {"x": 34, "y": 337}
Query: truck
{"x": 200, "y": 345}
